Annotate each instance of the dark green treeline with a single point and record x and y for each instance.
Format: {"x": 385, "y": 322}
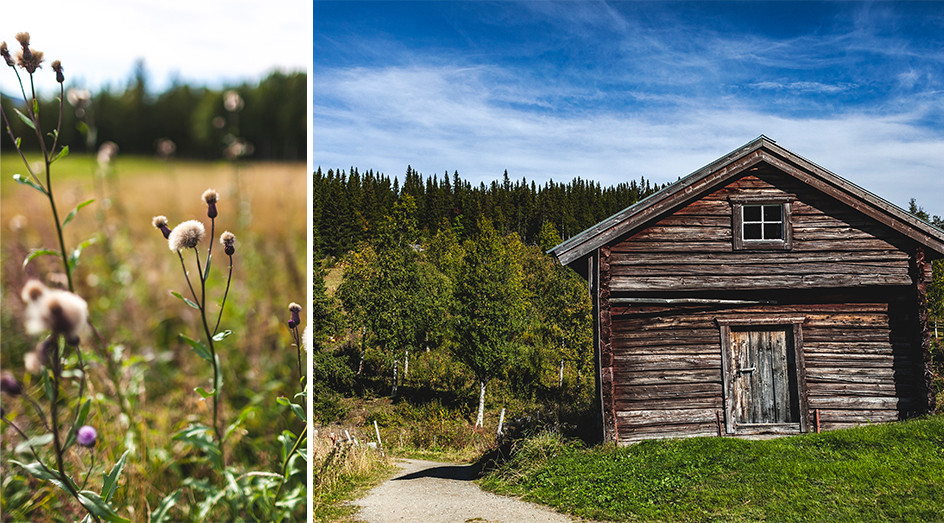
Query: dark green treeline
{"x": 269, "y": 116}
{"x": 350, "y": 205}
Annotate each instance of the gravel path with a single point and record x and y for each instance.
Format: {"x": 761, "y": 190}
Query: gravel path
{"x": 431, "y": 492}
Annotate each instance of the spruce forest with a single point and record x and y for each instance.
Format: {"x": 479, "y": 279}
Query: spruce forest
{"x": 436, "y": 298}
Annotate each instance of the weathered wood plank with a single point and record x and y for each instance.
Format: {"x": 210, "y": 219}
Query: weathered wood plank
{"x": 859, "y": 402}
{"x": 639, "y": 418}
{"x": 695, "y": 401}
{"x": 754, "y": 282}
{"x": 879, "y": 257}
{"x": 662, "y": 376}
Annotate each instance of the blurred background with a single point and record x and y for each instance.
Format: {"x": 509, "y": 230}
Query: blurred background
{"x": 160, "y": 102}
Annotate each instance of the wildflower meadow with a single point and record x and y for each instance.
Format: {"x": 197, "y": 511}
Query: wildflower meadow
{"x": 152, "y": 349}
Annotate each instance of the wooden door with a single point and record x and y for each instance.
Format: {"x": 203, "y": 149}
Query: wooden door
{"x": 764, "y": 376}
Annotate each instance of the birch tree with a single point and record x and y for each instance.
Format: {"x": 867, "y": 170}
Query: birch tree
{"x": 490, "y": 307}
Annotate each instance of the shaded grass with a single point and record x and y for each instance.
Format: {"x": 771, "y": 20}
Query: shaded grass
{"x": 879, "y": 472}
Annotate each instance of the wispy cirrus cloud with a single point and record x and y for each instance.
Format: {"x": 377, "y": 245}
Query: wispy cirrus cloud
{"x": 445, "y": 119}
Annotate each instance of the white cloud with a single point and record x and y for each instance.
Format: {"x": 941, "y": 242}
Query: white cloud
{"x": 452, "y": 118}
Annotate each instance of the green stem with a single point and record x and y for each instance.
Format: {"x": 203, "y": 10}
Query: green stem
{"x": 216, "y": 369}
{"x": 225, "y": 293}
{"x": 285, "y": 463}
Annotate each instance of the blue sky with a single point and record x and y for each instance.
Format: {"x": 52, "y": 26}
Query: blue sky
{"x": 611, "y": 91}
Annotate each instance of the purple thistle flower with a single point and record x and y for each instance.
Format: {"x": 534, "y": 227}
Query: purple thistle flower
{"x": 9, "y": 384}
{"x": 295, "y": 320}
{"x": 86, "y": 436}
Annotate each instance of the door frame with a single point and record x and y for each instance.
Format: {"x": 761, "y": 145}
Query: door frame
{"x": 728, "y": 372}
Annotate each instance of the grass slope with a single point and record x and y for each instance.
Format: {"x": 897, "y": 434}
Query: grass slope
{"x": 878, "y": 472}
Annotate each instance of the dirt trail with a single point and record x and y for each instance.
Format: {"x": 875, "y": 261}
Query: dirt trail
{"x": 431, "y": 492}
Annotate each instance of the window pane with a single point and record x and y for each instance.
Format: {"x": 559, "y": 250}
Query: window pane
{"x": 752, "y": 231}
{"x": 772, "y": 213}
{"x": 752, "y": 213}
{"x": 773, "y": 231}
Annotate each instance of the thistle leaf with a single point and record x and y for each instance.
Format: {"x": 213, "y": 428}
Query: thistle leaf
{"x": 246, "y": 412}
{"x": 19, "y": 178}
{"x": 161, "y": 512}
{"x": 77, "y": 253}
{"x": 34, "y": 442}
{"x": 39, "y": 252}
{"x": 71, "y": 215}
{"x": 185, "y": 300}
{"x": 203, "y": 392}
{"x": 26, "y": 119}
{"x": 198, "y": 347}
{"x": 98, "y": 506}
{"x": 297, "y": 409}
{"x": 110, "y": 484}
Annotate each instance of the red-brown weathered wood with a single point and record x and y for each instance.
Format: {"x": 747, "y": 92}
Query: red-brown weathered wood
{"x": 683, "y": 305}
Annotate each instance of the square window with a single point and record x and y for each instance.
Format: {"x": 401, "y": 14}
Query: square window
{"x": 761, "y": 222}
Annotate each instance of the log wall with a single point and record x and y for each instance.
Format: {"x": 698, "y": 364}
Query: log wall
{"x": 692, "y": 248}
{"x": 851, "y": 278}
{"x": 861, "y": 365}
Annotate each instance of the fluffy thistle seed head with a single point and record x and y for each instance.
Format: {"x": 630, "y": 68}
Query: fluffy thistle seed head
{"x": 210, "y": 197}
{"x": 33, "y": 363}
{"x": 228, "y": 240}
{"x": 27, "y": 58}
{"x": 5, "y": 53}
{"x": 59, "y": 311}
{"x": 57, "y": 67}
{"x": 295, "y": 320}
{"x": 9, "y": 384}
{"x": 32, "y": 291}
{"x": 160, "y": 222}
{"x": 86, "y": 436}
{"x": 24, "y": 39}
{"x": 186, "y": 235}
{"x": 106, "y": 153}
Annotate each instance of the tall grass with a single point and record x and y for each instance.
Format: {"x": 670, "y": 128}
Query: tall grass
{"x": 341, "y": 470}
{"x": 142, "y": 387}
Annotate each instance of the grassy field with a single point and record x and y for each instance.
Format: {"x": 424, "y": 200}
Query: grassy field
{"x": 878, "y": 472}
{"x": 142, "y": 386}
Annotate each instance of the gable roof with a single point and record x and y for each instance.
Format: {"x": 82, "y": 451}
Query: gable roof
{"x": 762, "y": 149}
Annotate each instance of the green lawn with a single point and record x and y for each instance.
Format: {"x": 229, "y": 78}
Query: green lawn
{"x": 879, "y": 472}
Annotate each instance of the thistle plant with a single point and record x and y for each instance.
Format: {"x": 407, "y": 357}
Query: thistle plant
{"x": 292, "y": 445}
{"x": 188, "y": 236}
{"x": 30, "y": 60}
{"x": 60, "y": 317}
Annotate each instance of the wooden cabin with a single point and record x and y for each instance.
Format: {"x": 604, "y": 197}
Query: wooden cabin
{"x": 761, "y": 294}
